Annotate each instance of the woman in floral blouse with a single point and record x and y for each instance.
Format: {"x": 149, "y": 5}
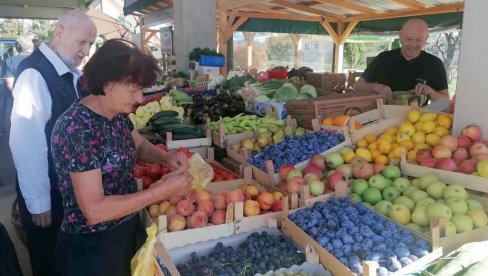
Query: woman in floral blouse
{"x": 95, "y": 147}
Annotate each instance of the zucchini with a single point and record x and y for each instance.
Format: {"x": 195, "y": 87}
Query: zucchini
{"x": 146, "y": 130}
{"x": 182, "y": 136}
{"x": 163, "y": 114}
{"x": 165, "y": 121}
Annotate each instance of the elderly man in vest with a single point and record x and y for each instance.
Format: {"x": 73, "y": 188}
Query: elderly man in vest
{"x": 45, "y": 86}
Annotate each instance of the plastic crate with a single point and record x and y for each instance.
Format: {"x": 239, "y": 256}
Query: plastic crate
{"x": 214, "y": 61}
{"x": 278, "y": 74}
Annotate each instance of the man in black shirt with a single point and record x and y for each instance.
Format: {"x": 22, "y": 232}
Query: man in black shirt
{"x": 406, "y": 68}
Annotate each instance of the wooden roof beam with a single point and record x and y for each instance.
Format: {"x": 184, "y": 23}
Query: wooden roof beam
{"x": 410, "y": 4}
{"x": 347, "y": 32}
{"x": 237, "y": 4}
{"x": 283, "y": 16}
{"x": 349, "y": 5}
{"x": 303, "y": 8}
{"x": 410, "y": 12}
{"x": 331, "y": 31}
{"x": 262, "y": 9}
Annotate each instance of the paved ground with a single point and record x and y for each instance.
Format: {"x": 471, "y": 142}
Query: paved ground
{"x": 7, "y": 196}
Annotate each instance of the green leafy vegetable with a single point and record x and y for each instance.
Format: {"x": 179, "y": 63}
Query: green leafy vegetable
{"x": 286, "y": 93}
{"x": 308, "y": 91}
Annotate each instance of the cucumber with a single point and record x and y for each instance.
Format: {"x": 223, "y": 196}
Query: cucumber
{"x": 163, "y": 114}
{"x": 146, "y": 130}
{"x": 165, "y": 121}
{"x": 184, "y": 136}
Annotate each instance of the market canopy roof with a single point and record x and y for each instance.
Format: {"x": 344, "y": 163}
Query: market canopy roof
{"x": 39, "y": 9}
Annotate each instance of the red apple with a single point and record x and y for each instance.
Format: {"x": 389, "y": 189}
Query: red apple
{"x": 378, "y": 168}
{"x": 464, "y": 142}
{"x": 284, "y": 170}
{"x": 480, "y": 156}
{"x": 473, "y": 132}
{"x": 450, "y": 141}
{"x": 293, "y": 173}
{"x": 468, "y": 166}
{"x": 423, "y": 154}
{"x": 319, "y": 161}
{"x": 446, "y": 164}
{"x": 459, "y": 155}
{"x": 311, "y": 168}
{"x": 441, "y": 151}
{"x": 429, "y": 162}
{"x": 293, "y": 185}
{"x": 346, "y": 169}
{"x": 334, "y": 178}
{"x": 316, "y": 187}
{"x": 478, "y": 148}
{"x": 277, "y": 206}
{"x": 362, "y": 170}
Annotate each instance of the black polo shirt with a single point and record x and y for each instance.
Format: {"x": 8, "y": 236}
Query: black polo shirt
{"x": 392, "y": 69}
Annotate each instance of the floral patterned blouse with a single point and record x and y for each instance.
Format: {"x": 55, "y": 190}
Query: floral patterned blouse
{"x": 83, "y": 140}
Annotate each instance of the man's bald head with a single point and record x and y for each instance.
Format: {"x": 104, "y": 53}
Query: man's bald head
{"x": 413, "y": 37}
{"x": 74, "y": 33}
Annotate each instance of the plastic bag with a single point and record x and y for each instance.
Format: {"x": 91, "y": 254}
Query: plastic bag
{"x": 144, "y": 261}
{"x": 407, "y": 97}
{"x": 201, "y": 172}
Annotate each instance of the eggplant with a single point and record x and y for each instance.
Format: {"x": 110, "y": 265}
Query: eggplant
{"x": 217, "y": 109}
{"x": 213, "y": 101}
{"x": 214, "y": 118}
{"x": 198, "y": 102}
{"x": 237, "y": 97}
{"x": 203, "y": 109}
{"x": 240, "y": 106}
{"x": 224, "y": 97}
{"x": 198, "y": 117}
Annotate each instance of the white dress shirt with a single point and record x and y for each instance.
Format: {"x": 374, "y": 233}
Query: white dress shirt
{"x": 30, "y": 113}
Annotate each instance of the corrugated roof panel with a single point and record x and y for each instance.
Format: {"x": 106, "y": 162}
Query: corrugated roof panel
{"x": 441, "y": 2}
{"x": 379, "y": 5}
{"x": 336, "y": 9}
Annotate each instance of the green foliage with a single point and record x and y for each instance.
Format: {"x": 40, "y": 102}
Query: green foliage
{"x": 280, "y": 51}
{"x": 352, "y": 54}
{"x": 42, "y": 29}
{"x": 11, "y": 28}
{"x": 197, "y": 52}
{"x": 396, "y": 44}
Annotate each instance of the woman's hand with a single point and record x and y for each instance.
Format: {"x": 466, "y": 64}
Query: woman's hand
{"x": 174, "y": 183}
{"x": 176, "y": 160}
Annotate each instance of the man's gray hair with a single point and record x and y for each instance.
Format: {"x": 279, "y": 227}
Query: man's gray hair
{"x": 24, "y": 44}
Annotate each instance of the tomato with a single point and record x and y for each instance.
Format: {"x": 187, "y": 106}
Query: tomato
{"x": 153, "y": 170}
{"x": 146, "y": 181}
{"x": 217, "y": 178}
{"x": 161, "y": 146}
{"x": 138, "y": 171}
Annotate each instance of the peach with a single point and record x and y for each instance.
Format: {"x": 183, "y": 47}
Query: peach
{"x": 252, "y": 191}
{"x": 203, "y": 195}
{"x": 191, "y": 196}
{"x": 219, "y": 202}
{"x": 206, "y": 206}
{"x": 468, "y": 166}
{"x": 197, "y": 219}
{"x": 277, "y": 206}
{"x": 234, "y": 196}
{"x": 450, "y": 141}
{"x": 478, "y": 148}
{"x": 218, "y": 217}
{"x": 441, "y": 151}
{"x": 171, "y": 211}
{"x": 293, "y": 185}
{"x": 185, "y": 207}
{"x": 246, "y": 196}
{"x": 176, "y": 222}
{"x": 251, "y": 208}
{"x": 153, "y": 210}
{"x": 265, "y": 200}
{"x": 473, "y": 132}
{"x": 174, "y": 199}
{"x": 423, "y": 154}
{"x": 277, "y": 196}
{"x": 446, "y": 164}
{"x": 163, "y": 207}
{"x": 464, "y": 142}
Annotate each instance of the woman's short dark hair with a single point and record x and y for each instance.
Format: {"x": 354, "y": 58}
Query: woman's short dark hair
{"x": 120, "y": 61}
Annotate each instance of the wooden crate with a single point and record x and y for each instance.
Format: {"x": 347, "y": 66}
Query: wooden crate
{"x": 304, "y": 111}
{"x": 188, "y": 143}
{"x": 328, "y": 82}
{"x": 333, "y": 264}
{"x": 220, "y": 138}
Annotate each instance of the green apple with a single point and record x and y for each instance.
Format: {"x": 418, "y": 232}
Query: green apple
{"x": 399, "y": 213}
{"x": 391, "y": 172}
{"x": 463, "y": 223}
{"x": 389, "y": 182}
{"x": 372, "y": 196}
{"x": 450, "y": 229}
{"x": 426, "y": 201}
{"x": 416, "y": 182}
{"x": 414, "y": 227}
{"x": 377, "y": 181}
{"x": 334, "y": 160}
{"x": 359, "y": 186}
{"x": 383, "y": 206}
{"x": 345, "y": 149}
{"x": 455, "y": 190}
{"x": 390, "y": 193}
{"x": 435, "y": 189}
{"x": 439, "y": 210}
{"x": 405, "y": 201}
{"x": 401, "y": 183}
{"x": 418, "y": 195}
{"x": 478, "y": 216}
{"x": 474, "y": 204}
{"x": 426, "y": 179}
{"x": 356, "y": 197}
{"x": 419, "y": 216}
{"x": 441, "y": 201}
{"x": 409, "y": 190}
{"x": 457, "y": 205}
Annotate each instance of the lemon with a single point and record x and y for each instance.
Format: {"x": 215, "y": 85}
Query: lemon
{"x": 384, "y": 146}
{"x": 441, "y": 131}
{"x": 418, "y": 126}
{"x": 429, "y": 116}
{"x": 400, "y": 138}
{"x": 370, "y": 137}
{"x": 391, "y": 131}
{"x": 364, "y": 153}
{"x": 412, "y": 155}
{"x": 414, "y": 116}
{"x": 418, "y": 137}
{"x": 373, "y": 145}
{"x": 408, "y": 144}
{"x": 444, "y": 120}
{"x": 397, "y": 153}
{"x": 382, "y": 159}
{"x": 387, "y": 137}
{"x": 375, "y": 153}
{"x": 432, "y": 139}
{"x": 395, "y": 145}
{"x": 390, "y": 156}
{"x": 428, "y": 127}
{"x": 420, "y": 146}
{"x": 407, "y": 128}
{"x": 361, "y": 143}
{"x": 348, "y": 156}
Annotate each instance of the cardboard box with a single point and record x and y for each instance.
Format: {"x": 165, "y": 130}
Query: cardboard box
{"x": 304, "y": 111}
{"x": 277, "y": 110}
{"x": 209, "y": 70}
{"x": 327, "y": 82}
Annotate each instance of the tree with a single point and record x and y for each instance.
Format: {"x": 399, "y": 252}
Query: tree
{"x": 11, "y": 28}
{"x": 42, "y": 29}
{"x": 352, "y": 54}
{"x": 279, "y": 50}
{"x": 448, "y": 52}
{"x": 259, "y": 57}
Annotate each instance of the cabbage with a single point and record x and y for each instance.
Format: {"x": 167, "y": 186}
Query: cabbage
{"x": 308, "y": 91}
{"x": 286, "y": 93}
{"x": 262, "y": 99}
{"x": 302, "y": 97}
